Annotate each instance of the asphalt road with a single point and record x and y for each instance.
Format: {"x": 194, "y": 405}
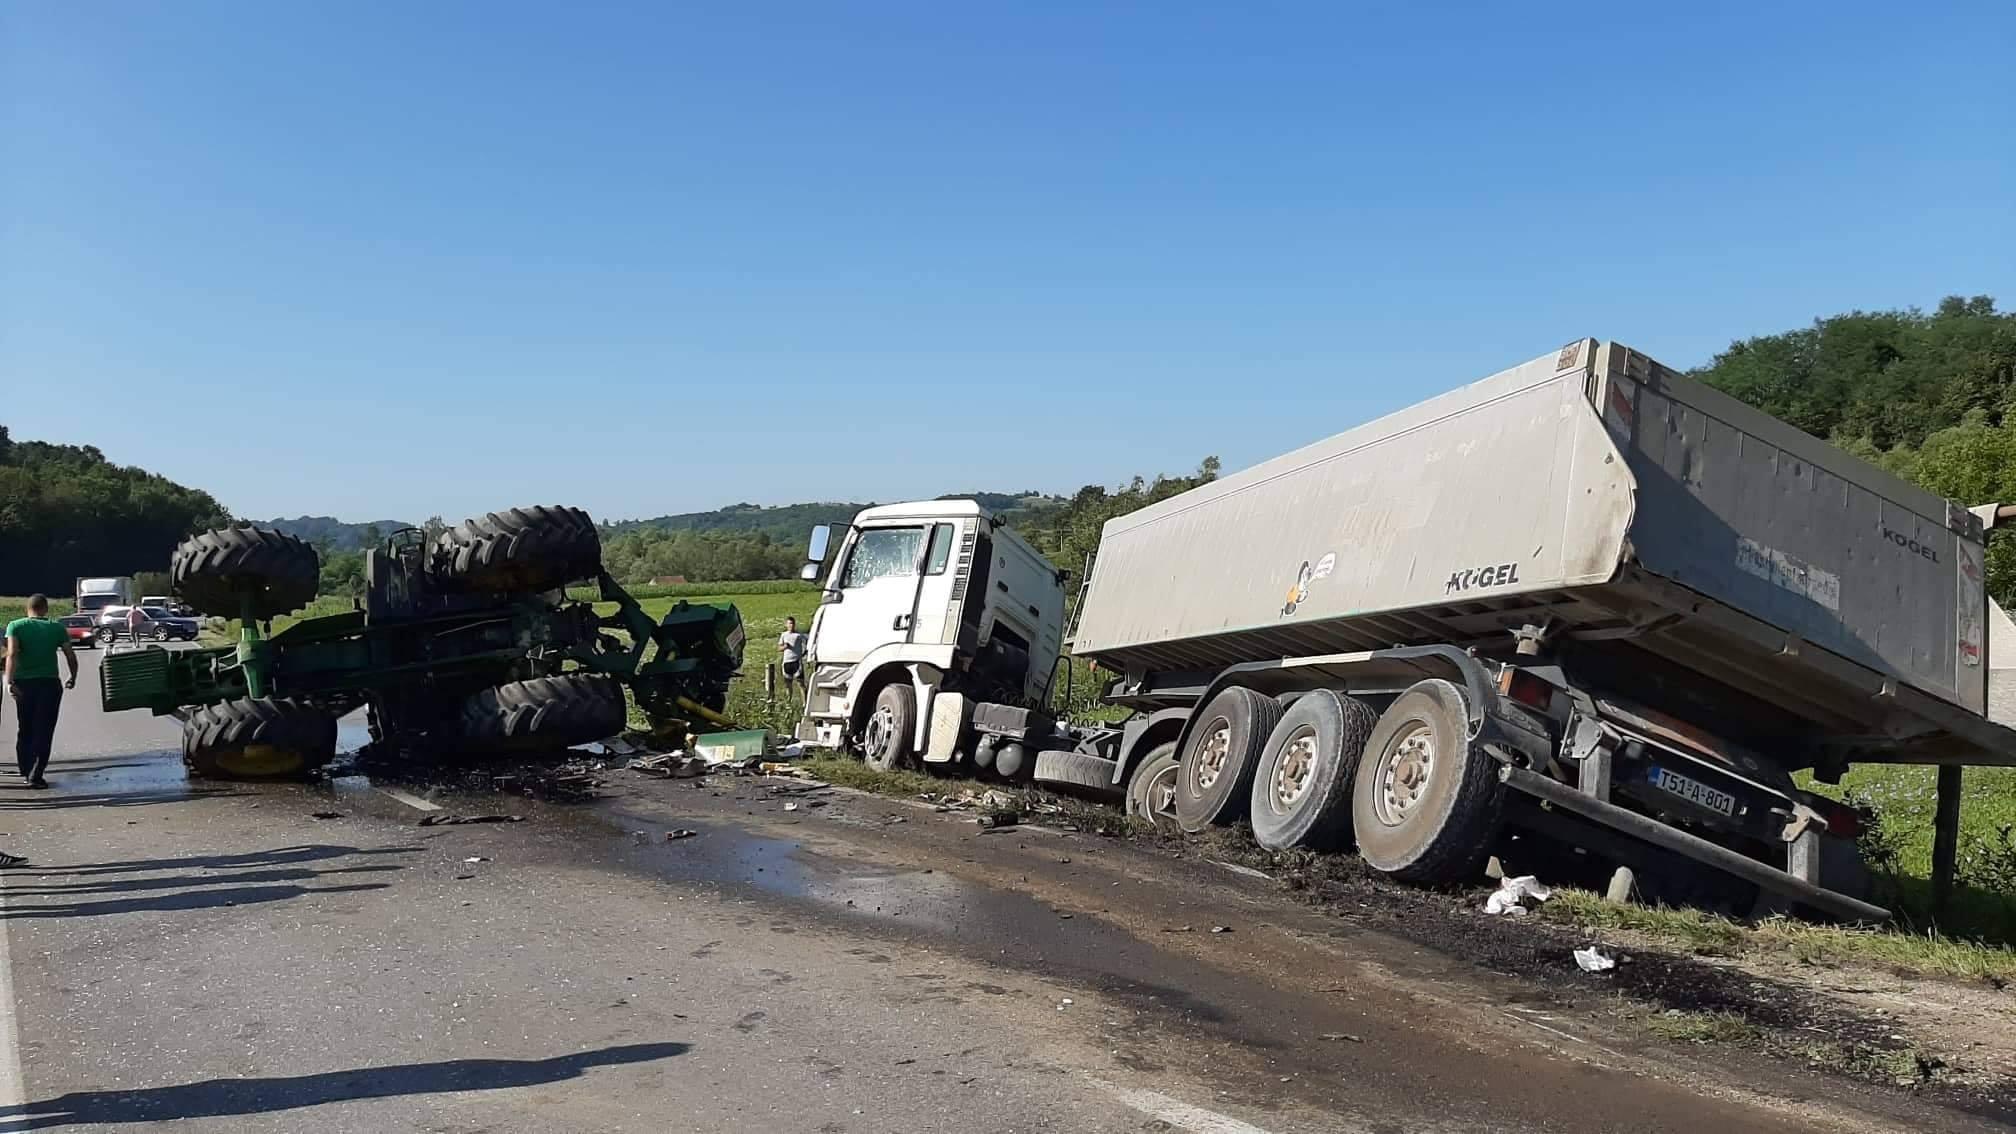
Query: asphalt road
{"x": 218, "y": 955}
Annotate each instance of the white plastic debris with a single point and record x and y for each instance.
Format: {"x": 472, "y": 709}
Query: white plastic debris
{"x": 1511, "y": 892}
{"x": 793, "y": 750}
{"x": 1593, "y": 960}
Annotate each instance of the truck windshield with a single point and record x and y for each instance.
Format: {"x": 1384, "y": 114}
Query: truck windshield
{"x": 883, "y": 551}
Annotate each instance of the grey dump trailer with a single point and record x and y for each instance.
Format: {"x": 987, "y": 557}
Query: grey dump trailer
{"x": 1586, "y": 597}
{"x": 1585, "y": 603}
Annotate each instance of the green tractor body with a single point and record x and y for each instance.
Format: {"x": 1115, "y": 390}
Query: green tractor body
{"x": 468, "y": 644}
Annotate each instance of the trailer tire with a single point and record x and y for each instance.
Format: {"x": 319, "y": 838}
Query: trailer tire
{"x": 1426, "y": 802}
{"x": 1088, "y": 774}
{"x": 1151, "y": 789}
{"x": 888, "y": 737}
{"x": 541, "y": 714}
{"x": 265, "y": 738}
{"x": 218, "y": 571}
{"x": 1215, "y": 778}
{"x": 520, "y": 550}
{"x": 1303, "y": 785}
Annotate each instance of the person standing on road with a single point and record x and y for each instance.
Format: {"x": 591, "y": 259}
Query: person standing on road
{"x": 32, "y": 643}
{"x": 134, "y": 617}
{"x": 791, "y": 652}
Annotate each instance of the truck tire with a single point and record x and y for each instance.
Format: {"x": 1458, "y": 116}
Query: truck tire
{"x": 1215, "y": 777}
{"x": 541, "y": 714}
{"x": 1303, "y": 784}
{"x": 268, "y": 738}
{"x": 215, "y": 572}
{"x": 1151, "y": 789}
{"x": 1426, "y": 803}
{"x": 520, "y": 550}
{"x": 889, "y": 737}
{"x": 1082, "y": 771}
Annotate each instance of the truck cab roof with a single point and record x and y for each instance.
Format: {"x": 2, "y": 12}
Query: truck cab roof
{"x": 920, "y": 510}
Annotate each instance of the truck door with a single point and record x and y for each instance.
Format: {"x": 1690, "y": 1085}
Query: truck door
{"x": 935, "y": 607}
{"x": 876, "y": 588}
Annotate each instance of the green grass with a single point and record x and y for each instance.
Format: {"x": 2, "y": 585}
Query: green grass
{"x": 709, "y": 591}
{"x": 1676, "y": 1026}
{"x": 16, "y": 606}
{"x": 1929, "y": 953}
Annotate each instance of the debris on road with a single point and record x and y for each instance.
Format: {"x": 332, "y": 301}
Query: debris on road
{"x": 679, "y": 833}
{"x": 995, "y": 819}
{"x": 1594, "y": 960}
{"x": 1506, "y": 899}
{"x": 444, "y": 819}
{"x": 790, "y": 807}
{"x": 475, "y": 858}
{"x": 1221, "y": 929}
{"x": 1345, "y": 1036}
{"x": 326, "y": 815}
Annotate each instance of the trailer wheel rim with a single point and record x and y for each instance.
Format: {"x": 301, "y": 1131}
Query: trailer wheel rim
{"x": 1160, "y": 796}
{"x": 881, "y": 726}
{"x": 1211, "y": 754}
{"x": 1295, "y": 771}
{"x": 1405, "y": 768}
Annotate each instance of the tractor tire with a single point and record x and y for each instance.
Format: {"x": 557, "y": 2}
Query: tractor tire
{"x": 542, "y": 714}
{"x": 1216, "y": 775}
{"x": 1426, "y": 803}
{"x": 1151, "y": 789}
{"x": 270, "y": 738}
{"x": 1302, "y": 789}
{"x": 218, "y": 571}
{"x": 1079, "y": 773}
{"x": 522, "y": 550}
{"x": 888, "y": 738}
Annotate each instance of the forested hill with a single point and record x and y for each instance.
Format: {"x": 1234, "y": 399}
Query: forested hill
{"x": 332, "y": 534}
{"x": 66, "y": 511}
{"x": 1929, "y": 396}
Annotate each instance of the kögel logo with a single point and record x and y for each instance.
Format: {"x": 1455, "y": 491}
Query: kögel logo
{"x": 1911, "y": 545}
{"x": 1475, "y": 577}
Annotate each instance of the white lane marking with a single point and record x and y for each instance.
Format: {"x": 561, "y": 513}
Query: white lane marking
{"x": 13, "y": 1092}
{"x": 410, "y": 800}
{"x": 1182, "y": 1115}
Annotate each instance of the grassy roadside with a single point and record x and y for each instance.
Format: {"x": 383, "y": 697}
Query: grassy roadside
{"x": 16, "y": 606}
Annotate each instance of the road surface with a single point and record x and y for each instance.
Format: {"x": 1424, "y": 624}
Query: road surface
{"x": 219, "y": 955}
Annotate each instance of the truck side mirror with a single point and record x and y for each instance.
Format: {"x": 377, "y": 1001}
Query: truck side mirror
{"x": 816, "y": 550}
{"x": 809, "y": 572}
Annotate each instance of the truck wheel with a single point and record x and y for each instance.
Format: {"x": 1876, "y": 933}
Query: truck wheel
{"x": 214, "y": 572}
{"x": 271, "y": 738}
{"x": 1216, "y": 773}
{"x": 541, "y": 714}
{"x": 1151, "y": 790}
{"x": 524, "y": 549}
{"x": 1302, "y": 788}
{"x": 888, "y": 740}
{"x": 1089, "y": 774}
{"x": 1426, "y": 803}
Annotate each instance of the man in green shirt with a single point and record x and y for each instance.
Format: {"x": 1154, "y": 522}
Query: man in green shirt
{"x": 32, "y": 643}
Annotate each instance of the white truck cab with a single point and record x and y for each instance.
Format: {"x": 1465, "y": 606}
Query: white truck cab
{"x": 929, "y": 606}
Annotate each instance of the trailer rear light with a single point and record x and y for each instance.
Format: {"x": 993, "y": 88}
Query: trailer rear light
{"x": 1525, "y": 688}
{"x": 1842, "y": 820}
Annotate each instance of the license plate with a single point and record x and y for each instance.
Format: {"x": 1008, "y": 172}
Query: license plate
{"x": 1693, "y": 791}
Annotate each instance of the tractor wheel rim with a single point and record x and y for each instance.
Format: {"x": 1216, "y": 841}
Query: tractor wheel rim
{"x": 1405, "y": 768}
{"x": 1296, "y": 770}
{"x": 1212, "y": 753}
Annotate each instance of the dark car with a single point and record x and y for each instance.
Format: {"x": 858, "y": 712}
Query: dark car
{"x": 162, "y": 624}
{"x": 83, "y": 630}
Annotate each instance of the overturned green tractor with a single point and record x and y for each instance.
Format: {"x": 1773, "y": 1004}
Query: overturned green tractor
{"x": 467, "y": 644}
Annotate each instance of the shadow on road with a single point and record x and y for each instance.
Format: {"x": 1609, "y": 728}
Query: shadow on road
{"x": 186, "y": 900}
{"x": 45, "y": 801}
{"x": 173, "y": 882}
{"x": 282, "y": 856}
{"x": 218, "y": 1098}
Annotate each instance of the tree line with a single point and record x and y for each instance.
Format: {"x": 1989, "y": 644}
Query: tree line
{"x": 66, "y": 511}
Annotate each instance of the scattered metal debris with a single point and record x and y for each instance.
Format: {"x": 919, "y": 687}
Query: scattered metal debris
{"x": 444, "y": 819}
{"x": 1345, "y": 1036}
{"x": 679, "y": 833}
{"x": 326, "y": 815}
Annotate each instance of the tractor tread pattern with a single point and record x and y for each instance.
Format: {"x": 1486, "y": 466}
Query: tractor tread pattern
{"x": 296, "y": 726}
{"x": 544, "y": 712}
{"x": 521, "y": 549}
{"x": 217, "y": 570}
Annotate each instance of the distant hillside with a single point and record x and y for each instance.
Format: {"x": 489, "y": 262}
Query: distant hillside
{"x": 331, "y": 533}
{"x": 787, "y": 523}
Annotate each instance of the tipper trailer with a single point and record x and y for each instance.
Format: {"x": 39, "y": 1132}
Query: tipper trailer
{"x": 1586, "y": 596}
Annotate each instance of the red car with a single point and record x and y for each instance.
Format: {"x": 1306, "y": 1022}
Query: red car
{"x": 83, "y": 630}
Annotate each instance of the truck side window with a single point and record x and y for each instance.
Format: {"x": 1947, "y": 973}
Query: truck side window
{"x": 941, "y": 549}
{"x": 883, "y": 551}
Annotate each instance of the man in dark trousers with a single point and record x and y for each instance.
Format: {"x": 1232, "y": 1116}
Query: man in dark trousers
{"x": 32, "y": 644}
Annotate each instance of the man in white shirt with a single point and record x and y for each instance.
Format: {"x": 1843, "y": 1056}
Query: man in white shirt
{"x": 791, "y": 652}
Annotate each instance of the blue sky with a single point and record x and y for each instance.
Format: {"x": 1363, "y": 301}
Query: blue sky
{"x": 391, "y": 260}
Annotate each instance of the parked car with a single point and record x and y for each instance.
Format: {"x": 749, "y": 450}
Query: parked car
{"x": 83, "y": 630}
{"x": 157, "y": 623}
